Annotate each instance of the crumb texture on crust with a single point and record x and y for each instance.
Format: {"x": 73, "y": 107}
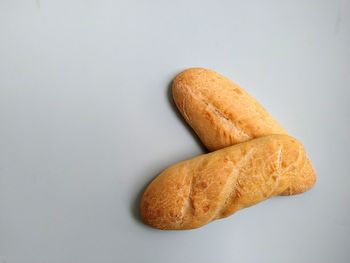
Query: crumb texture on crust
{"x": 219, "y": 110}
{"x": 195, "y": 192}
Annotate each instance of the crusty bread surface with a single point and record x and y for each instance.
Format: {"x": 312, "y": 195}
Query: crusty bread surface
{"x": 219, "y": 110}
{"x": 194, "y": 192}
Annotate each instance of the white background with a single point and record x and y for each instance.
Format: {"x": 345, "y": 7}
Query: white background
{"x": 86, "y": 122}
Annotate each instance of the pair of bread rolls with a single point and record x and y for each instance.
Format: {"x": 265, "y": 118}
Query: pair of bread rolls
{"x": 253, "y": 158}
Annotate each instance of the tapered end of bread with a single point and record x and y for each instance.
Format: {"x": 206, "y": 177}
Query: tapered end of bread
{"x": 305, "y": 181}
{"x": 164, "y": 201}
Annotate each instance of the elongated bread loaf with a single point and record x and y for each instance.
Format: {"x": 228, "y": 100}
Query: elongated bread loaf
{"x": 195, "y": 192}
{"x": 219, "y": 110}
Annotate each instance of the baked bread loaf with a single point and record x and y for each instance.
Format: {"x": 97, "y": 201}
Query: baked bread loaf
{"x": 219, "y": 110}
{"x": 195, "y": 192}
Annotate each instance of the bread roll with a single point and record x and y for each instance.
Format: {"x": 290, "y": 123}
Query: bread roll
{"x": 219, "y": 110}
{"x": 195, "y": 192}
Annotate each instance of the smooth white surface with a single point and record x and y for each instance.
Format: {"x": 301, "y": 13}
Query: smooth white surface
{"x": 86, "y": 122}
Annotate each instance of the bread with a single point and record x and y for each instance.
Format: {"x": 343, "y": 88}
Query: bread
{"x": 220, "y": 111}
{"x": 195, "y": 192}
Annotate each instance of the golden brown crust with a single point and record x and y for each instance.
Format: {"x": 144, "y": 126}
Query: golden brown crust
{"x": 195, "y": 192}
{"x": 219, "y": 110}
